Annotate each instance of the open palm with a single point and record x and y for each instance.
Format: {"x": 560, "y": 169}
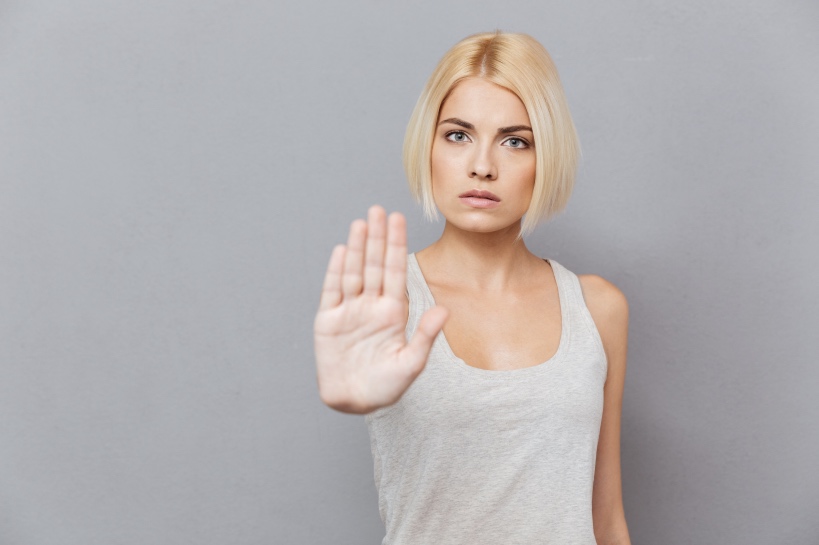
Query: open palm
{"x": 363, "y": 359}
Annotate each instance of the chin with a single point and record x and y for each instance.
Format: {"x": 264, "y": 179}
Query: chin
{"x": 484, "y": 226}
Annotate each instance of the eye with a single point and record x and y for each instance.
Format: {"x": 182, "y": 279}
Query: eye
{"x": 517, "y": 143}
{"x": 457, "y": 136}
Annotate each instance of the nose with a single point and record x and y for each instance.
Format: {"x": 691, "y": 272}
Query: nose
{"x": 483, "y": 165}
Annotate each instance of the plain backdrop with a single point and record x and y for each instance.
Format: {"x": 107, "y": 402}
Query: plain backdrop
{"x": 173, "y": 176}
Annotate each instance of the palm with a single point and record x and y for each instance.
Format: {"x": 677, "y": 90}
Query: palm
{"x": 363, "y": 358}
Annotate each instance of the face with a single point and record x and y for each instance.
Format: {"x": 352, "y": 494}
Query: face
{"x": 483, "y": 158}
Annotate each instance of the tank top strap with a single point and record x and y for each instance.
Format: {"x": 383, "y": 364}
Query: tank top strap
{"x": 420, "y": 298}
{"x": 568, "y": 286}
{"x": 576, "y": 311}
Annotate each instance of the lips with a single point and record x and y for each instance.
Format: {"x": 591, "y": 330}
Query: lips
{"x": 480, "y": 194}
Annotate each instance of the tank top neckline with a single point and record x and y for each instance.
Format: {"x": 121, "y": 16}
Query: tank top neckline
{"x": 542, "y": 367}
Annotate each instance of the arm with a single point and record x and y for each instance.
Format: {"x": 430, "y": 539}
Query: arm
{"x": 609, "y": 309}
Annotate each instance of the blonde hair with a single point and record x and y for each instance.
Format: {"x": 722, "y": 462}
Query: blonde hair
{"x": 521, "y": 64}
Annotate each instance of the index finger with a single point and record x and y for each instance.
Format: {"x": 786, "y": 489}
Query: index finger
{"x": 395, "y": 260}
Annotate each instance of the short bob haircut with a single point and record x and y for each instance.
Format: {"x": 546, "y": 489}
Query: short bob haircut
{"x": 521, "y": 64}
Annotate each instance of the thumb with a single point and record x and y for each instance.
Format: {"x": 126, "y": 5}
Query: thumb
{"x": 417, "y": 349}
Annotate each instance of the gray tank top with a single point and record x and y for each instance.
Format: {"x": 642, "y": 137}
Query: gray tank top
{"x": 470, "y": 456}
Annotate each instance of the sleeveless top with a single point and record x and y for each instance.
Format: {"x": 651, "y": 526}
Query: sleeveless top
{"x": 472, "y": 456}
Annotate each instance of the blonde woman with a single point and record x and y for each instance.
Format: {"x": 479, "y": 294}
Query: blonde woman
{"x": 491, "y": 379}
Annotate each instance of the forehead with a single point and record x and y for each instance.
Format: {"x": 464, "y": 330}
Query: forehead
{"x": 482, "y": 102}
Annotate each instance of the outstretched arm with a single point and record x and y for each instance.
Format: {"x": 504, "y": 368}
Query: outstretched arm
{"x": 363, "y": 359}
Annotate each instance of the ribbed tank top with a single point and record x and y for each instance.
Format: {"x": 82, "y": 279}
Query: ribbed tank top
{"x": 472, "y": 456}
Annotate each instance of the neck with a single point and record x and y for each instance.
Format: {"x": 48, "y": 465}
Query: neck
{"x": 490, "y": 261}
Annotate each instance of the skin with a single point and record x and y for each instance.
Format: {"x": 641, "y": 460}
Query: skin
{"x": 363, "y": 359}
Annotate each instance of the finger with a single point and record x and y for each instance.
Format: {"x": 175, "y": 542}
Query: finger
{"x": 374, "y": 258}
{"x": 417, "y": 349}
{"x": 395, "y": 261}
{"x": 351, "y": 280}
{"x": 331, "y": 291}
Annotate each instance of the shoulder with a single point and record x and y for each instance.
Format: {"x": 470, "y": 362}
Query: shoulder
{"x": 608, "y": 307}
{"x": 602, "y": 297}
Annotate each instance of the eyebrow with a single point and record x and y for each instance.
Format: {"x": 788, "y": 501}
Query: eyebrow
{"x": 459, "y": 122}
{"x": 514, "y": 128}
{"x": 470, "y": 126}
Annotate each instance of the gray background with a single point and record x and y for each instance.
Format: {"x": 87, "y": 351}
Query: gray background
{"x": 174, "y": 175}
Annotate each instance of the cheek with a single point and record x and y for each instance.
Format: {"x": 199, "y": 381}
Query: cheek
{"x": 437, "y": 174}
{"x": 527, "y": 182}
{"x": 444, "y": 167}
{"x": 435, "y": 162}
{"x": 524, "y": 172}
{"x": 530, "y": 170}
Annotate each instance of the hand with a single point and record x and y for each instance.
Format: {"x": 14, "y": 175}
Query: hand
{"x": 363, "y": 359}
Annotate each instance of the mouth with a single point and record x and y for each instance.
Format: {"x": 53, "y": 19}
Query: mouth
{"x": 480, "y": 194}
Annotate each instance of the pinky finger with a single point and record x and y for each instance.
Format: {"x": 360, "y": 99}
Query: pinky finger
{"x": 331, "y": 291}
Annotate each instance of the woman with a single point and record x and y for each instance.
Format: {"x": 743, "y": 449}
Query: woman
{"x": 498, "y": 421}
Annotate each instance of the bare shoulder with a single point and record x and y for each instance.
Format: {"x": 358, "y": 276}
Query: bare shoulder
{"x": 603, "y": 298}
{"x": 608, "y": 307}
